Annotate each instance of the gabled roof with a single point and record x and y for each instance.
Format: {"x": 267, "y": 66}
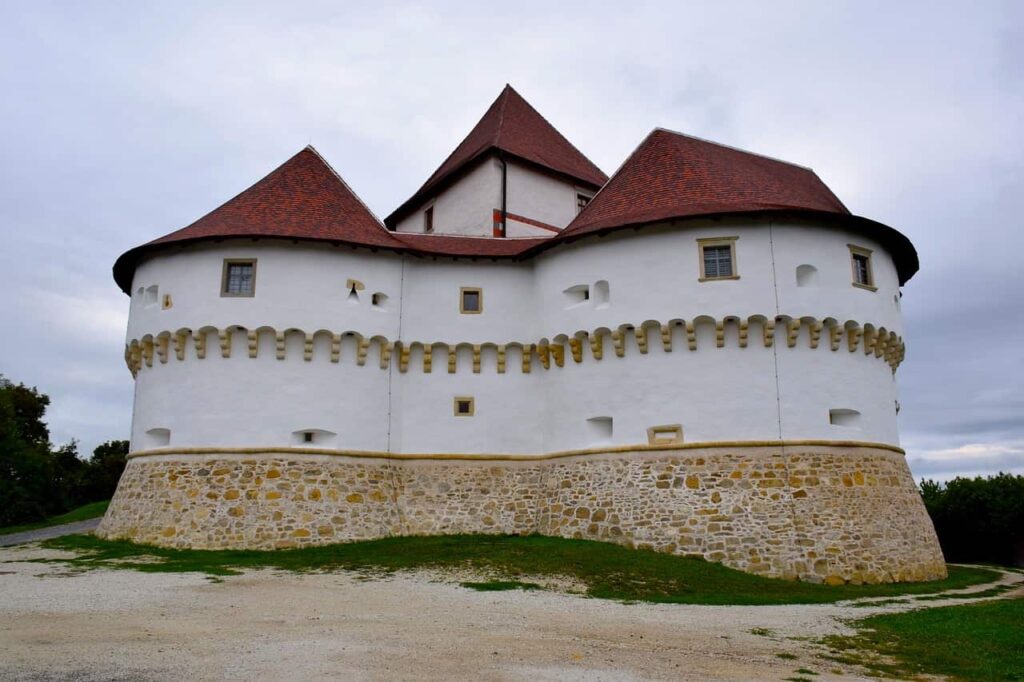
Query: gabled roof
{"x": 303, "y": 198}
{"x": 671, "y": 176}
{"x": 512, "y": 126}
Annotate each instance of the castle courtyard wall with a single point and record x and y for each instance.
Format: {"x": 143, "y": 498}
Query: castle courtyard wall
{"x": 811, "y": 510}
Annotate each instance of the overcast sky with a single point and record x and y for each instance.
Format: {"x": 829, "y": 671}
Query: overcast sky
{"x": 119, "y": 124}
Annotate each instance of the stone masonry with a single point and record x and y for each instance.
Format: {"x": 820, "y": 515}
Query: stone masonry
{"x": 816, "y": 512}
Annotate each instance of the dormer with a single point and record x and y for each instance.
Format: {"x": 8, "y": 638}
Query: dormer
{"x": 514, "y": 175}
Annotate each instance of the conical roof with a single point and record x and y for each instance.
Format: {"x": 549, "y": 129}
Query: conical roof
{"x": 510, "y": 125}
{"x": 303, "y": 198}
{"x": 671, "y": 176}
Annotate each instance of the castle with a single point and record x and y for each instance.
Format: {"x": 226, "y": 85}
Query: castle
{"x": 697, "y": 356}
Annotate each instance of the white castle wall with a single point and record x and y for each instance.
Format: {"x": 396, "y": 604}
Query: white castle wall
{"x": 467, "y": 207}
{"x": 723, "y": 393}
{"x": 463, "y": 208}
{"x": 539, "y": 196}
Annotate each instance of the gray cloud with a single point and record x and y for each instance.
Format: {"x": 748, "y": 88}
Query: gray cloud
{"x": 123, "y": 122}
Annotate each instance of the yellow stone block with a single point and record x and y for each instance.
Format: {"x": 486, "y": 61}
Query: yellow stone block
{"x": 355, "y": 498}
{"x": 232, "y": 494}
{"x": 692, "y": 482}
{"x": 300, "y": 533}
{"x": 273, "y": 495}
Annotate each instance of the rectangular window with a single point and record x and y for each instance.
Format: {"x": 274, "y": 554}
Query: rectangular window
{"x": 581, "y": 201}
{"x": 428, "y": 220}
{"x": 860, "y": 261}
{"x": 239, "y": 278}
{"x": 471, "y": 300}
{"x": 717, "y": 258}
{"x": 464, "y": 407}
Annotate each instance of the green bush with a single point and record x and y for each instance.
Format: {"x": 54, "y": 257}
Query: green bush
{"x": 978, "y": 520}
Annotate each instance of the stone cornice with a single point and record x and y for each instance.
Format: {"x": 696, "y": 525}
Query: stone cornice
{"x": 639, "y": 447}
{"x": 831, "y": 333}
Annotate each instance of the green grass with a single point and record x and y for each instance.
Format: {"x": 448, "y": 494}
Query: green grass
{"x": 982, "y": 641}
{"x": 88, "y": 511}
{"x": 607, "y": 571}
{"x": 501, "y": 585}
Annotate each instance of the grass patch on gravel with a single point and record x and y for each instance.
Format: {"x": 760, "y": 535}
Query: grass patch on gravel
{"x": 501, "y": 586}
{"x": 608, "y": 571}
{"x": 982, "y": 641}
{"x": 87, "y": 511}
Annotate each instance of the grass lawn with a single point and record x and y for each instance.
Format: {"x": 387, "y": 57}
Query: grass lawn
{"x": 608, "y": 571}
{"x": 87, "y": 511}
{"x": 982, "y": 641}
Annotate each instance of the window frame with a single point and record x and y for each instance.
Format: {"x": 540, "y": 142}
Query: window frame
{"x": 580, "y": 194}
{"x": 228, "y": 262}
{"x": 864, "y": 253}
{"x": 705, "y": 242}
{"x": 462, "y": 300}
{"x": 428, "y": 219}
{"x": 467, "y": 399}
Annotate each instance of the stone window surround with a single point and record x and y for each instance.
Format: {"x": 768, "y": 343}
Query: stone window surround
{"x": 228, "y": 262}
{"x": 717, "y": 241}
{"x": 866, "y": 254}
{"x": 471, "y": 406}
{"x": 462, "y": 300}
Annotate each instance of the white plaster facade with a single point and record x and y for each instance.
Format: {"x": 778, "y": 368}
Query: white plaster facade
{"x": 726, "y": 393}
{"x": 468, "y": 206}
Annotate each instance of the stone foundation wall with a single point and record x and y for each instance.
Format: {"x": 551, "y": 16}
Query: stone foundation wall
{"x": 820, "y": 513}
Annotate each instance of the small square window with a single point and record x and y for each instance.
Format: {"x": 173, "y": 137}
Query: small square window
{"x": 581, "y": 201}
{"x": 717, "y": 258}
{"x": 860, "y": 261}
{"x": 471, "y": 300}
{"x": 307, "y": 436}
{"x": 464, "y": 407}
{"x": 428, "y": 220}
{"x": 239, "y": 278}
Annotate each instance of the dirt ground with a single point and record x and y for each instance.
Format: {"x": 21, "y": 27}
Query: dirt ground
{"x": 126, "y": 625}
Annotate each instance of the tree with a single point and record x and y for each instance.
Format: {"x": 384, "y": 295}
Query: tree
{"x": 25, "y": 465}
{"x": 104, "y": 470}
{"x": 978, "y": 519}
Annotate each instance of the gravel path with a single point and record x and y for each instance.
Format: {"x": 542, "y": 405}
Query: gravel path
{"x": 57, "y": 624}
{"x": 86, "y": 526}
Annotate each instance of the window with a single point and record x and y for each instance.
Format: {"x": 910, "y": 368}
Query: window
{"x": 860, "y": 261}
{"x": 307, "y": 436}
{"x": 464, "y": 407}
{"x": 377, "y": 300}
{"x": 168, "y": 303}
{"x": 239, "y": 278}
{"x": 471, "y": 300}
{"x": 665, "y": 435}
{"x": 428, "y": 220}
{"x": 717, "y": 258}
{"x": 581, "y": 201}
{"x": 844, "y": 417}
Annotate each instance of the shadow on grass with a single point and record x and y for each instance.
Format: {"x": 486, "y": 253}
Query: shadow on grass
{"x": 608, "y": 571}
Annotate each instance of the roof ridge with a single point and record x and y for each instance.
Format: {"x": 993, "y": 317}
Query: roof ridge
{"x": 732, "y": 147}
{"x": 611, "y": 178}
{"x": 337, "y": 175}
{"x": 552, "y": 126}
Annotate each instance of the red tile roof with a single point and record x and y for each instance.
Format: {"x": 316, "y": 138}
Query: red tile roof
{"x": 303, "y": 198}
{"x": 475, "y": 247}
{"x": 671, "y": 175}
{"x": 512, "y": 126}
